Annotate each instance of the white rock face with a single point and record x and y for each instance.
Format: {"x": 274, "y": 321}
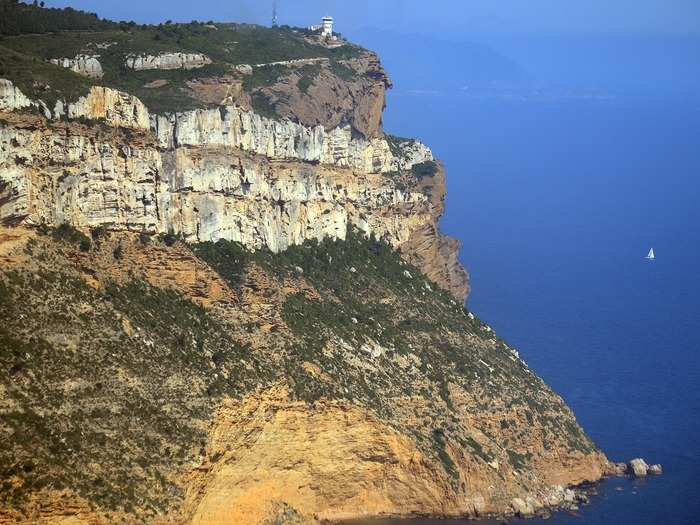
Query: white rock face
{"x": 234, "y": 127}
{"x": 168, "y": 61}
{"x": 213, "y": 174}
{"x": 11, "y": 98}
{"x": 115, "y": 107}
{"x": 231, "y": 126}
{"x": 204, "y": 193}
{"x": 245, "y": 69}
{"x": 638, "y": 468}
{"x": 86, "y": 65}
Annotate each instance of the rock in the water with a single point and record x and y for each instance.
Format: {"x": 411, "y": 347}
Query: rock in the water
{"x": 616, "y": 469}
{"x": 655, "y": 470}
{"x": 638, "y": 468}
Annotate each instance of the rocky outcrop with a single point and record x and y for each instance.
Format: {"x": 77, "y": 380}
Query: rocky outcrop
{"x": 85, "y": 65}
{"x": 639, "y": 468}
{"x": 655, "y": 470}
{"x": 114, "y": 107}
{"x": 340, "y": 93}
{"x": 167, "y": 61}
{"x": 11, "y": 98}
{"x": 234, "y": 127}
{"x": 205, "y": 191}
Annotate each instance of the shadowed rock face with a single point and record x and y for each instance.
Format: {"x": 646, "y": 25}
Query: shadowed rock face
{"x": 356, "y": 99}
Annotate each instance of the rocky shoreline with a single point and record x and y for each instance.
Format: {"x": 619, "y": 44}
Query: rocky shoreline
{"x": 558, "y": 499}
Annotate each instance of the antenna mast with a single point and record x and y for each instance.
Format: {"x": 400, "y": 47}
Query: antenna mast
{"x": 274, "y": 13}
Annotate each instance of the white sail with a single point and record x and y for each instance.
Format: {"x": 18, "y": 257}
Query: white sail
{"x": 651, "y": 255}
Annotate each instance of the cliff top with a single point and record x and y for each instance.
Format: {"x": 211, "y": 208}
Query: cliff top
{"x": 54, "y": 54}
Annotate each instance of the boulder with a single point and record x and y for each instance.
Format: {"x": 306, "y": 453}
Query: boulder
{"x": 655, "y": 470}
{"x": 521, "y": 507}
{"x": 638, "y": 468}
{"x": 244, "y": 69}
{"x": 615, "y": 469}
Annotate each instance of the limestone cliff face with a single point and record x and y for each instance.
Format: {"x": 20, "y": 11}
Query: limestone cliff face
{"x": 86, "y": 65}
{"x": 220, "y": 174}
{"x": 11, "y": 98}
{"x": 232, "y": 127}
{"x": 167, "y": 61}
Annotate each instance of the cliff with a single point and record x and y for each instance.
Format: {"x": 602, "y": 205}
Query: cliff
{"x": 204, "y": 383}
{"x": 241, "y": 309}
{"x": 216, "y": 174}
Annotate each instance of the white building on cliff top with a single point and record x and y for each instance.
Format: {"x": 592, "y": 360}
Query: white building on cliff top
{"x": 325, "y": 27}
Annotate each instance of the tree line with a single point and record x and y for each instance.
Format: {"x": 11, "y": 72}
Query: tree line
{"x": 17, "y": 18}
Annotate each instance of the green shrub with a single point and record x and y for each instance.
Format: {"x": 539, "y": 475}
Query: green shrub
{"x": 308, "y": 75}
{"x": 98, "y": 233}
{"x": 169, "y": 238}
{"x": 68, "y": 233}
{"x": 395, "y": 144}
{"x": 262, "y": 105}
{"x": 424, "y": 169}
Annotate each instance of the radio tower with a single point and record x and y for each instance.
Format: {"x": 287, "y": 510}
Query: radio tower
{"x": 274, "y": 13}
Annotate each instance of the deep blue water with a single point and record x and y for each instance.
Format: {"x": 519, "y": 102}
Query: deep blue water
{"x": 557, "y": 203}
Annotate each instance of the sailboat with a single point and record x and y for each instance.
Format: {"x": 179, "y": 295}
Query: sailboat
{"x": 651, "y": 255}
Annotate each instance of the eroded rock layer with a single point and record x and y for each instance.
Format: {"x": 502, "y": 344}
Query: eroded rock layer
{"x": 221, "y": 174}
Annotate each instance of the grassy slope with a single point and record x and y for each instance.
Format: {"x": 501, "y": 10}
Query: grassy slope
{"x": 92, "y": 377}
{"x": 227, "y": 45}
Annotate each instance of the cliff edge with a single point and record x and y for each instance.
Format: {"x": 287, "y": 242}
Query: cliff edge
{"x": 225, "y": 297}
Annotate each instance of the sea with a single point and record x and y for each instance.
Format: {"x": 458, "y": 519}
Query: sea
{"x": 557, "y": 197}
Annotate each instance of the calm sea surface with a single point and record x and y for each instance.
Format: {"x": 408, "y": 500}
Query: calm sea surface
{"x": 557, "y": 203}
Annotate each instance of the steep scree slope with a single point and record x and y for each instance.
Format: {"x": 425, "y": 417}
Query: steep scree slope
{"x": 145, "y": 382}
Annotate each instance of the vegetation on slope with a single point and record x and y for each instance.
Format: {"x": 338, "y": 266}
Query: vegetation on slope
{"x": 38, "y": 79}
{"x": 108, "y": 391}
{"x": 33, "y": 35}
{"x": 370, "y": 301}
{"x": 18, "y": 18}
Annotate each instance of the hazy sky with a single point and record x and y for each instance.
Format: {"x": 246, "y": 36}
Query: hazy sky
{"x": 452, "y": 18}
